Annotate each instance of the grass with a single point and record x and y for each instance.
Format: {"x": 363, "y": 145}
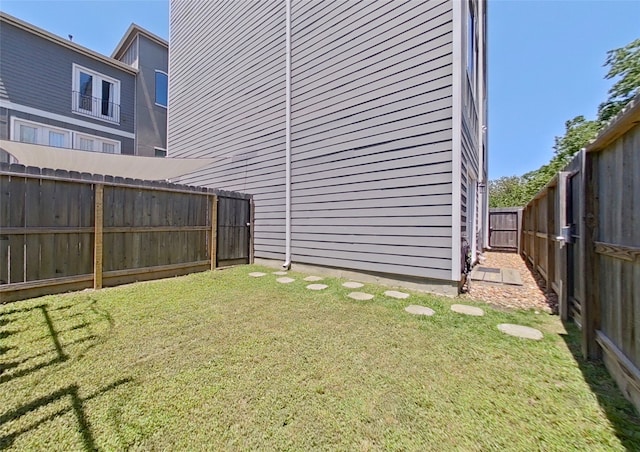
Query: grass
{"x": 223, "y": 361}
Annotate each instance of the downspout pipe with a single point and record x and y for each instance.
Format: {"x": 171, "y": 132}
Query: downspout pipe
{"x": 287, "y": 252}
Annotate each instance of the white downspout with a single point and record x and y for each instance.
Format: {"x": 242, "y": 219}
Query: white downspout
{"x": 287, "y": 132}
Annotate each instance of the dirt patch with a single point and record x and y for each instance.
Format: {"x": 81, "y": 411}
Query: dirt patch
{"x": 531, "y": 295}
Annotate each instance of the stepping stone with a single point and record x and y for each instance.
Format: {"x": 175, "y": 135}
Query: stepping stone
{"x": 468, "y": 310}
{"x": 396, "y": 294}
{"x": 256, "y": 274}
{"x": 360, "y": 296}
{"x": 352, "y": 285}
{"x": 280, "y": 273}
{"x": 419, "y": 310}
{"x": 285, "y": 280}
{"x": 511, "y": 276}
{"x": 524, "y": 332}
{"x": 317, "y": 286}
{"x": 313, "y": 278}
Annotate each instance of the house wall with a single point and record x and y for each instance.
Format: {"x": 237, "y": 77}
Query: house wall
{"x": 371, "y": 125}
{"x": 151, "y": 119}
{"x": 36, "y": 84}
{"x": 227, "y": 101}
{"x": 38, "y": 73}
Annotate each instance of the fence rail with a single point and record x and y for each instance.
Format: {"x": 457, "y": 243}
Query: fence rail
{"x": 64, "y": 231}
{"x": 582, "y": 233}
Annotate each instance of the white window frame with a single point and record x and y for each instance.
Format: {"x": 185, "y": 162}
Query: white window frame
{"x": 42, "y": 137}
{"x": 97, "y": 79}
{"x": 155, "y": 88}
{"x": 95, "y": 139}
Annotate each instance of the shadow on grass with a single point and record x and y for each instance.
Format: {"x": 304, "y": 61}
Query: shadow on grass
{"x": 76, "y": 405}
{"x": 619, "y": 411}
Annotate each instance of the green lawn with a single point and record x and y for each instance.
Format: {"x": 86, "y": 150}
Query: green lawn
{"x": 223, "y": 361}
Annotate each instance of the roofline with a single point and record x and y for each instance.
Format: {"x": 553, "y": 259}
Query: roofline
{"x": 130, "y": 34}
{"x": 628, "y": 118}
{"x": 4, "y": 17}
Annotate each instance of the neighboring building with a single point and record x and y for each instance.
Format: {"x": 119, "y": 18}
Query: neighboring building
{"x": 357, "y": 126}
{"x": 55, "y": 92}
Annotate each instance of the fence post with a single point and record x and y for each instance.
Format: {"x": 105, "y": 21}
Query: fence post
{"x": 214, "y": 231}
{"x": 561, "y": 221}
{"x": 251, "y": 231}
{"x": 97, "y": 249}
{"x": 591, "y": 309}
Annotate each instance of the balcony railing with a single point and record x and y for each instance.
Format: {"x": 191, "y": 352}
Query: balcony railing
{"x": 95, "y": 107}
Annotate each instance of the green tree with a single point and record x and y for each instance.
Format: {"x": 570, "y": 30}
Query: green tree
{"x": 625, "y": 64}
{"x": 506, "y": 192}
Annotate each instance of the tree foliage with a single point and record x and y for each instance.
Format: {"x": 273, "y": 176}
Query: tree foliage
{"x": 623, "y": 63}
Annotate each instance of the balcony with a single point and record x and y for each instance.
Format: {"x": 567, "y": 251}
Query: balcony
{"x": 95, "y": 107}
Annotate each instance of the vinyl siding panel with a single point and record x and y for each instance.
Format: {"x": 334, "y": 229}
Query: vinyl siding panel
{"x": 227, "y": 102}
{"x": 371, "y": 136}
{"x": 38, "y": 73}
{"x": 371, "y": 125}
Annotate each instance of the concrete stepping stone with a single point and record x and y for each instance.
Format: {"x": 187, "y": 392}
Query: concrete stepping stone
{"x": 468, "y": 310}
{"x": 360, "y": 296}
{"x": 524, "y": 332}
{"x": 285, "y": 280}
{"x": 396, "y": 294}
{"x": 419, "y": 310}
{"x": 280, "y": 273}
{"x": 317, "y": 286}
{"x": 313, "y": 278}
{"x": 256, "y": 274}
{"x": 352, "y": 285}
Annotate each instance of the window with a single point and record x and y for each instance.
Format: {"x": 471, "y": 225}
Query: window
{"x": 36, "y": 133}
{"x": 85, "y": 142}
{"x": 160, "y": 152}
{"x": 95, "y": 95}
{"x": 162, "y": 88}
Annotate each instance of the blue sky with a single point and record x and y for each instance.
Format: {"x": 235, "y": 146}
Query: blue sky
{"x": 545, "y": 60}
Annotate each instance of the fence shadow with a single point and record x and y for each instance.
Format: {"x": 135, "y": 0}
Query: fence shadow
{"x": 551, "y": 299}
{"x": 620, "y": 412}
{"x": 76, "y": 405}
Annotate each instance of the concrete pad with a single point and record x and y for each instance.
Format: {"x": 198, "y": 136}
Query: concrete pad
{"x": 256, "y": 274}
{"x": 524, "y": 332}
{"x": 313, "y": 278}
{"x": 280, "y": 273}
{"x": 285, "y": 280}
{"x": 360, "y": 296}
{"x": 317, "y": 286}
{"x": 419, "y": 310}
{"x": 477, "y": 274}
{"x": 492, "y": 277}
{"x": 352, "y": 285}
{"x": 511, "y": 276}
{"x": 468, "y": 310}
{"x": 396, "y": 294}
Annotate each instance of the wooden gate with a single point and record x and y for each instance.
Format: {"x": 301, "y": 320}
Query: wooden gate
{"x": 575, "y": 272}
{"x": 504, "y": 228}
{"x": 234, "y": 231}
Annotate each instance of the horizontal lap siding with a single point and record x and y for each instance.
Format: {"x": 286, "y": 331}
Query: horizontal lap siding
{"x": 227, "y": 102}
{"x": 371, "y": 136}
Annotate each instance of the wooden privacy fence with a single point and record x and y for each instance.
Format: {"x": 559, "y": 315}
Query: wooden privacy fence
{"x": 582, "y": 232}
{"x": 63, "y": 231}
{"x": 505, "y": 228}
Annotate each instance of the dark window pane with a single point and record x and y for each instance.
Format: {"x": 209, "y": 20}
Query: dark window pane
{"x": 161, "y": 153}
{"x": 86, "y": 91}
{"x": 162, "y": 88}
{"x": 107, "y": 89}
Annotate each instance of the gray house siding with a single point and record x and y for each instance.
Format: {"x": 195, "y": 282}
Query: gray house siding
{"x": 41, "y": 76}
{"x": 151, "y": 119}
{"x": 375, "y": 174}
{"x": 371, "y": 136}
{"x": 227, "y": 101}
